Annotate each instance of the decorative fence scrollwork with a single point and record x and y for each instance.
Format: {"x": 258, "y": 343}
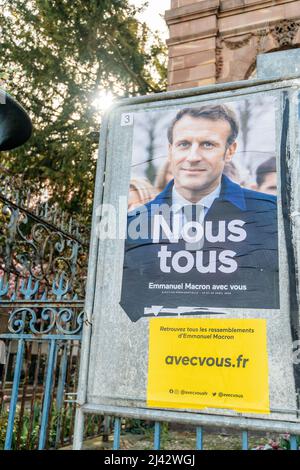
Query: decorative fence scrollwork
{"x": 44, "y": 320}
{"x": 43, "y": 267}
{"x": 38, "y": 241}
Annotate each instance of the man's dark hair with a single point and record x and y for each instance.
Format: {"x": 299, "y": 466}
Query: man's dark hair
{"x": 269, "y": 166}
{"x": 214, "y": 112}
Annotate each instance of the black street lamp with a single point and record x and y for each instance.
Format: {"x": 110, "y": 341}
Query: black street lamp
{"x": 15, "y": 124}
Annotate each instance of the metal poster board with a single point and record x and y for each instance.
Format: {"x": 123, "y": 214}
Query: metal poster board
{"x": 192, "y": 310}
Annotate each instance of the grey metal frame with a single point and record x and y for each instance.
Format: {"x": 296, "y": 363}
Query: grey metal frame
{"x": 157, "y": 415}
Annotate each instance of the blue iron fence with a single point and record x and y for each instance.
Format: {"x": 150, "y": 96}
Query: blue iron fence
{"x": 42, "y": 284}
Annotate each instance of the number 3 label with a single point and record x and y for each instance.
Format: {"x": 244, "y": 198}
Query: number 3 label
{"x": 127, "y": 119}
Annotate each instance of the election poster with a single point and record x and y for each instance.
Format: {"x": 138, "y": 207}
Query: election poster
{"x": 202, "y": 229}
{"x": 192, "y": 300}
{"x": 201, "y": 363}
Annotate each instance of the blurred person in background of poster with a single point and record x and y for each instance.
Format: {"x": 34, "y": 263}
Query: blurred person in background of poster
{"x": 164, "y": 176}
{"x": 231, "y": 171}
{"x": 141, "y": 191}
{"x": 266, "y": 178}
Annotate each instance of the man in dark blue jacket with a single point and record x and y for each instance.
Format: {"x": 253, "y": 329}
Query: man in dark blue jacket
{"x": 204, "y": 241}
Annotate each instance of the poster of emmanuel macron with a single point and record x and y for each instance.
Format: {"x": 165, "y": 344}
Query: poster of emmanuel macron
{"x": 202, "y": 211}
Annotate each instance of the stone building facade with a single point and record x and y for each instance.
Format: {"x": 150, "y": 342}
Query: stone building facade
{"x": 213, "y": 41}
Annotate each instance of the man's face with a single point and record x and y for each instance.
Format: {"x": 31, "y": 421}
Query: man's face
{"x": 269, "y": 185}
{"x": 198, "y": 155}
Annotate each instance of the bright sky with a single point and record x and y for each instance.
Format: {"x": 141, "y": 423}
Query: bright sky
{"x": 154, "y": 17}
{"x": 153, "y": 14}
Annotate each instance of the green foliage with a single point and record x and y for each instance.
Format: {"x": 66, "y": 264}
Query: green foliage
{"x": 137, "y": 426}
{"x": 284, "y": 442}
{"x": 55, "y": 57}
{"x": 34, "y": 434}
{"x": 55, "y": 416}
{"x": 3, "y": 426}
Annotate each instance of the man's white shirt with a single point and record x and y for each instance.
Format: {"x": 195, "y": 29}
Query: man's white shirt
{"x": 202, "y": 206}
{"x": 179, "y": 202}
